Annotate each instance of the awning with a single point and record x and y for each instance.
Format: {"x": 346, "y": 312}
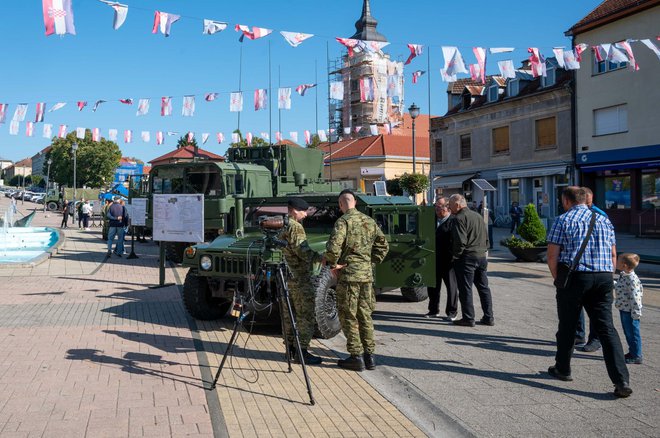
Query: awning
{"x": 620, "y": 166}
{"x": 535, "y": 171}
{"x": 453, "y": 181}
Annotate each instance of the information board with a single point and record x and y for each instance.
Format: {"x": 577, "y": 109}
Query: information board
{"x": 137, "y": 211}
{"x": 178, "y": 218}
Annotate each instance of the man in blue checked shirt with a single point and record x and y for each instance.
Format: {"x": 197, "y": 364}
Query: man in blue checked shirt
{"x": 589, "y": 286}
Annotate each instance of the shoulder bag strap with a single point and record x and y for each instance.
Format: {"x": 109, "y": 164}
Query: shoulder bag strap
{"x": 578, "y": 256}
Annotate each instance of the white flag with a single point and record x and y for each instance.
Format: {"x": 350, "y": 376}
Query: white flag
{"x": 337, "y": 90}
{"x": 211, "y": 27}
{"x": 506, "y": 69}
{"x": 188, "y": 109}
{"x": 112, "y": 134}
{"x": 29, "y": 129}
{"x": 3, "y": 112}
{"x": 96, "y": 134}
{"x": 453, "y": 61}
{"x": 205, "y": 137}
{"x": 501, "y": 49}
{"x": 143, "y": 107}
{"x": 570, "y": 62}
{"x": 235, "y": 138}
{"x": 284, "y": 98}
{"x": 21, "y": 111}
{"x": 146, "y": 136}
{"x": 294, "y": 136}
{"x": 308, "y": 137}
{"x": 295, "y": 38}
{"x": 191, "y": 136}
{"x": 559, "y": 55}
{"x": 48, "y": 130}
{"x": 128, "y": 136}
{"x": 347, "y": 130}
{"x": 80, "y": 133}
{"x": 165, "y": 106}
{"x": 62, "y": 131}
{"x": 322, "y": 135}
{"x": 648, "y": 43}
{"x": 13, "y": 127}
{"x": 221, "y": 137}
{"x": 57, "y": 106}
{"x": 373, "y": 129}
{"x": 236, "y": 102}
{"x": 159, "y": 138}
{"x": 121, "y": 11}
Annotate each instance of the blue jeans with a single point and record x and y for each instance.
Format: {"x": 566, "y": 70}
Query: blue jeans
{"x": 119, "y": 232}
{"x": 631, "y": 331}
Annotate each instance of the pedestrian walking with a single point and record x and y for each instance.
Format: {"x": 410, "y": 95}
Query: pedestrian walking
{"x": 581, "y": 257}
{"x": 444, "y": 270}
{"x": 115, "y": 214}
{"x": 65, "y": 214}
{"x": 71, "y": 208}
{"x": 516, "y": 213}
{"x": 299, "y": 258}
{"x": 125, "y": 222}
{"x": 80, "y": 213}
{"x": 356, "y": 242}
{"x": 86, "y": 213}
{"x": 469, "y": 246}
{"x": 629, "y": 292}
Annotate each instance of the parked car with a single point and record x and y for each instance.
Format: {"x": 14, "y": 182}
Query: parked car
{"x": 38, "y": 198}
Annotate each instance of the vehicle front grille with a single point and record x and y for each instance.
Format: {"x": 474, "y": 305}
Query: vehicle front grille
{"x": 230, "y": 265}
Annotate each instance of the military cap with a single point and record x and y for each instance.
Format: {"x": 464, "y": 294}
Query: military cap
{"x": 298, "y": 204}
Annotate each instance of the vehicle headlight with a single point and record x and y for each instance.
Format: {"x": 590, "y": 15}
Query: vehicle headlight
{"x": 190, "y": 252}
{"x": 205, "y": 263}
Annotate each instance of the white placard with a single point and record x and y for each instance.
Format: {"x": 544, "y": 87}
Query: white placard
{"x": 137, "y": 211}
{"x": 178, "y": 218}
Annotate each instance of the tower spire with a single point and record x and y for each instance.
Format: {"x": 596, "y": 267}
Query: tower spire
{"x": 366, "y": 26}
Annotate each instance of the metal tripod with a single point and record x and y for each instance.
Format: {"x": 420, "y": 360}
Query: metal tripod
{"x": 283, "y": 302}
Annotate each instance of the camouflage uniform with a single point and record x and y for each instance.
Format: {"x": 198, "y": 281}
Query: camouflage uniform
{"x": 356, "y": 242}
{"x": 104, "y": 219}
{"x": 299, "y": 257}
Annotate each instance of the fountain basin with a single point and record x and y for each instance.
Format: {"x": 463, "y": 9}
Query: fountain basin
{"x": 28, "y": 246}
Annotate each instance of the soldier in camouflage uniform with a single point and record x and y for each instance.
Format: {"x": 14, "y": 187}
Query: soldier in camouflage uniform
{"x": 104, "y": 220}
{"x": 354, "y": 245}
{"x": 299, "y": 257}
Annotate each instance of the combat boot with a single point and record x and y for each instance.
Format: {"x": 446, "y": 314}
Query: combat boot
{"x": 310, "y": 359}
{"x": 352, "y": 362}
{"x": 370, "y": 361}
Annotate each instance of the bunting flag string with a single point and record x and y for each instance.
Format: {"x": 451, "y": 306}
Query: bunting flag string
{"x": 212, "y": 27}
{"x": 337, "y": 90}
{"x": 159, "y": 138}
{"x": 295, "y": 38}
{"x": 146, "y": 136}
{"x": 121, "y": 11}
{"x": 57, "y": 106}
{"x": 415, "y": 51}
{"x": 80, "y": 133}
{"x": 61, "y": 133}
{"x": 308, "y": 138}
{"x": 257, "y": 32}
{"x": 302, "y": 89}
{"x": 128, "y": 136}
{"x": 220, "y": 137}
{"x": 205, "y": 137}
{"x": 13, "y": 127}
{"x": 112, "y": 134}
{"x": 128, "y": 101}
{"x": 236, "y": 102}
{"x": 96, "y": 134}
{"x": 163, "y": 21}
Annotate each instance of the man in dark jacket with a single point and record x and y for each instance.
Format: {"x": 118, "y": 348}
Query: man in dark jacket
{"x": 444, "y": 271}
{"x": 469, "y": 246}
{"x": 116, "y": 214}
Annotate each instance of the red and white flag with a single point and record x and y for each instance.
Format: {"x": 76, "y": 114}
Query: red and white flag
{"x": 14, "y": 126}
{"x": 58, "y": 105}
{"x": 625, "y": 45}
{"x": 165, "y": 106}
{"x": 388, "y": 128}
{"x": 128, "y": 136}
{"x": 415, "y": 51}
{"x": 58, "y": 17}
{"x": 221, "y": 137}
{"x": 159, "y": 138}
{"x": 80, "y": 133}
{"x": 308, "y": 137}
{"x": 598, "y": 53}
{"x": 96, "y": 134}
{"x": 112, "y": 134}
{"x": 188, "y": 109}
{"x": 127, "y": 101}
{"x": 20, "y": 112}
{"x": 278, "y": 137}
{"x": 248, "y": 138}
{"x": 48, "y": 130}
{"x": 29, "y": 129}
{"x": 61, "y": 133}
{"x": 578, "y": 52}
{"x": 349, "y": 43}
{"x": 284, "y": 98}
{"x": 190, "y": 136}
{"x": 163, "y": 21}
{"x": 205, "y": 137}
{"x": 301, "y": 89}
{"x": 294, "y": 136}
{"x": 210, "y": 96}
{"x": 143, "y": 107}
{"x": 3, "y": 112}
{"x": 121, "y": 11}
{"x": 81, "y": 104}
{"x": 236, "y": 102}
{"x": 647, "y": 42}
{"x": 257, "y": 32}
{"x": 357, "y": 129}
{"x": 480, "y": 54}
{"x": 453, "y": 61}
{"x": 506, "y": 69}
{"x": 416, "y": 75}
{"x": 260, "y": 99}
{"x": 41, "y": 107}
{"x": 475, "y": 72}
{"x": 146, "y": 136}
{"x": 295, "y": 38}
{"x": 537, "y": 62}
{"x": 366, "y": 89}
{"x": 337, "y": 90}
{"x": 559, "y": 55}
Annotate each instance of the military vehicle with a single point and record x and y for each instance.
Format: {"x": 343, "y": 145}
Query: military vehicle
{"x": 229, "y": 268}
{"x": 263, "y": 171}
{"x": 54, "y": 197}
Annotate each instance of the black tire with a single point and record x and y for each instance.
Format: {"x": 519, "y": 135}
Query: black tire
{"x": 174, "y": 251}
{"x": 327, "y": 316}
{"x": 52, "y": 206}
{"x": 414, "y": 294}
{"x": 198, "y": 300}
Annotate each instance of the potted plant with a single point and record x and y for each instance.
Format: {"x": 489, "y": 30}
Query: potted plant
{"x": 532, "y": 246}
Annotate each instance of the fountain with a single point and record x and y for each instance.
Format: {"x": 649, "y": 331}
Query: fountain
{"x": 25, "y": 245}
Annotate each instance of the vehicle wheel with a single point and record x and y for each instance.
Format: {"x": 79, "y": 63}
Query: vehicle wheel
{"x": 52, "y": 206}
{"x": 174, "y": 251}
{"x": 327, "y": 316}
{"x": 414, "y": 294}
{"x": 198, "y": 300}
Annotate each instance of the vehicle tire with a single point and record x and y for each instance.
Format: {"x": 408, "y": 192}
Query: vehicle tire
{"x": 174, "y": 251}
{"x": 327, "y": 315}
{"x": 52, "y": 206}
{"x": 414, "y": 294}
{"x": 198, "y": 300}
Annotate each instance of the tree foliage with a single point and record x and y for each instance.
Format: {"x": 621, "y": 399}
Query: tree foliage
{"x": 532, "y": 229}
{"x": 414, "y": 183}
{"x": 96, "y": 161}
{"x": 394, "y": 187}
{"x": 183, "y": 141}
{"x": 315, "y": 141}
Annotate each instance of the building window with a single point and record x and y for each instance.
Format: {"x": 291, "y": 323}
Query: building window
{"x": 514, "y": 190}
{"x": 550, "y": 77}
{"x": 611, "y": 120}
{"x": 617, "y": 191}
{"x": 438, "y": 151}
{"x": 501, "y": 140}
{"x": 466, "y": 147}
{"x": 513, "y": 88}
{"x": 546, "y": 133}
{"x": 650, "y": 188}
{"x": 606, "y": 66}
{"x": 493, "y": 93}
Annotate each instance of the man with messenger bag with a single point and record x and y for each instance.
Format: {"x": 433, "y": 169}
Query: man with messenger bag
{"x": 581, "y": 258}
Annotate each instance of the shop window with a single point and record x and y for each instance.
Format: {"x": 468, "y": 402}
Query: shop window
{"x": 546, "y": 133}
{"x": 651, "y": 188}
{"x": 466, "y": 147}
{"x": 611, "y": 120}
{"x": 501, "y": 140}
{"x": 617, "y": 191}
{"x": 514, "y": 190}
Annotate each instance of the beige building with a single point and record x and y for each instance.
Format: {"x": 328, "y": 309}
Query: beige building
{"x": 22, "y": 168}
{"x": 616, "y": 113}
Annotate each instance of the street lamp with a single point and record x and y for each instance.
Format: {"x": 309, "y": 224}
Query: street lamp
{"x": 50, "y": 161}
{"x": 74, "y": 148}
{"x": 414, "y": 112}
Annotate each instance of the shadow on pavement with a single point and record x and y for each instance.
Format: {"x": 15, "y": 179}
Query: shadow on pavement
{"x": 518, "y": 274}
{"x": 44, "y": 293}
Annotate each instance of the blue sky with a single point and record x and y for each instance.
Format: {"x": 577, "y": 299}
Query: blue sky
{"x": 101, "y": 63}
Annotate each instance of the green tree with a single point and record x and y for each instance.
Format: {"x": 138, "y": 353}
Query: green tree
{"x": 315, "y": 141}
{"x": 96, "y": 161}
{"x": 414, "y": 183}
{"x": 242, "y": 143}
{"x": 532, "y": 229}
{"x": 38, "y": 180}
{"x": 183, "y": 141}
{"x": 394, "y": 187}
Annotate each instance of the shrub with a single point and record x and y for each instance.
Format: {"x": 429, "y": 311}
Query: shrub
{"x": 414, "y": 183}
{"x": 532, "y": 229}
{"x": 394, "y": 187}
{"x": 515, "y": 242}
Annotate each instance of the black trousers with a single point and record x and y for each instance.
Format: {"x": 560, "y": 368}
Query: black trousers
{"x": 448, "y": 277}
{"x": 469, "y": 271}
{"x": 65, "y": 219}
{"x": 593, "y": 291}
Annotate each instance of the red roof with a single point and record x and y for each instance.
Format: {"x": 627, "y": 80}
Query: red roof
{"x": 186, "y": 153}
{"x": 286, "y": 142}
{"x": 608, "y": 11}
{"x": 376, "y": 146}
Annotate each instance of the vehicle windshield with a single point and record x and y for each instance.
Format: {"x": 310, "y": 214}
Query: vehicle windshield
{"x": 206, "y": 180}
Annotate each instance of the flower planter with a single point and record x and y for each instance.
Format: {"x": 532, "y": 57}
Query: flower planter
{"x": 535, "y": 254}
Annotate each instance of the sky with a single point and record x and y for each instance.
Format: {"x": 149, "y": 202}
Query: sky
{"x": 101, "y": 63}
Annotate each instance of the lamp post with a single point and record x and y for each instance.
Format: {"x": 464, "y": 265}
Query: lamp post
{"x": 414, "y": 112}
{"x": 74, "y": 148}
{"x": 50, "y": 161}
